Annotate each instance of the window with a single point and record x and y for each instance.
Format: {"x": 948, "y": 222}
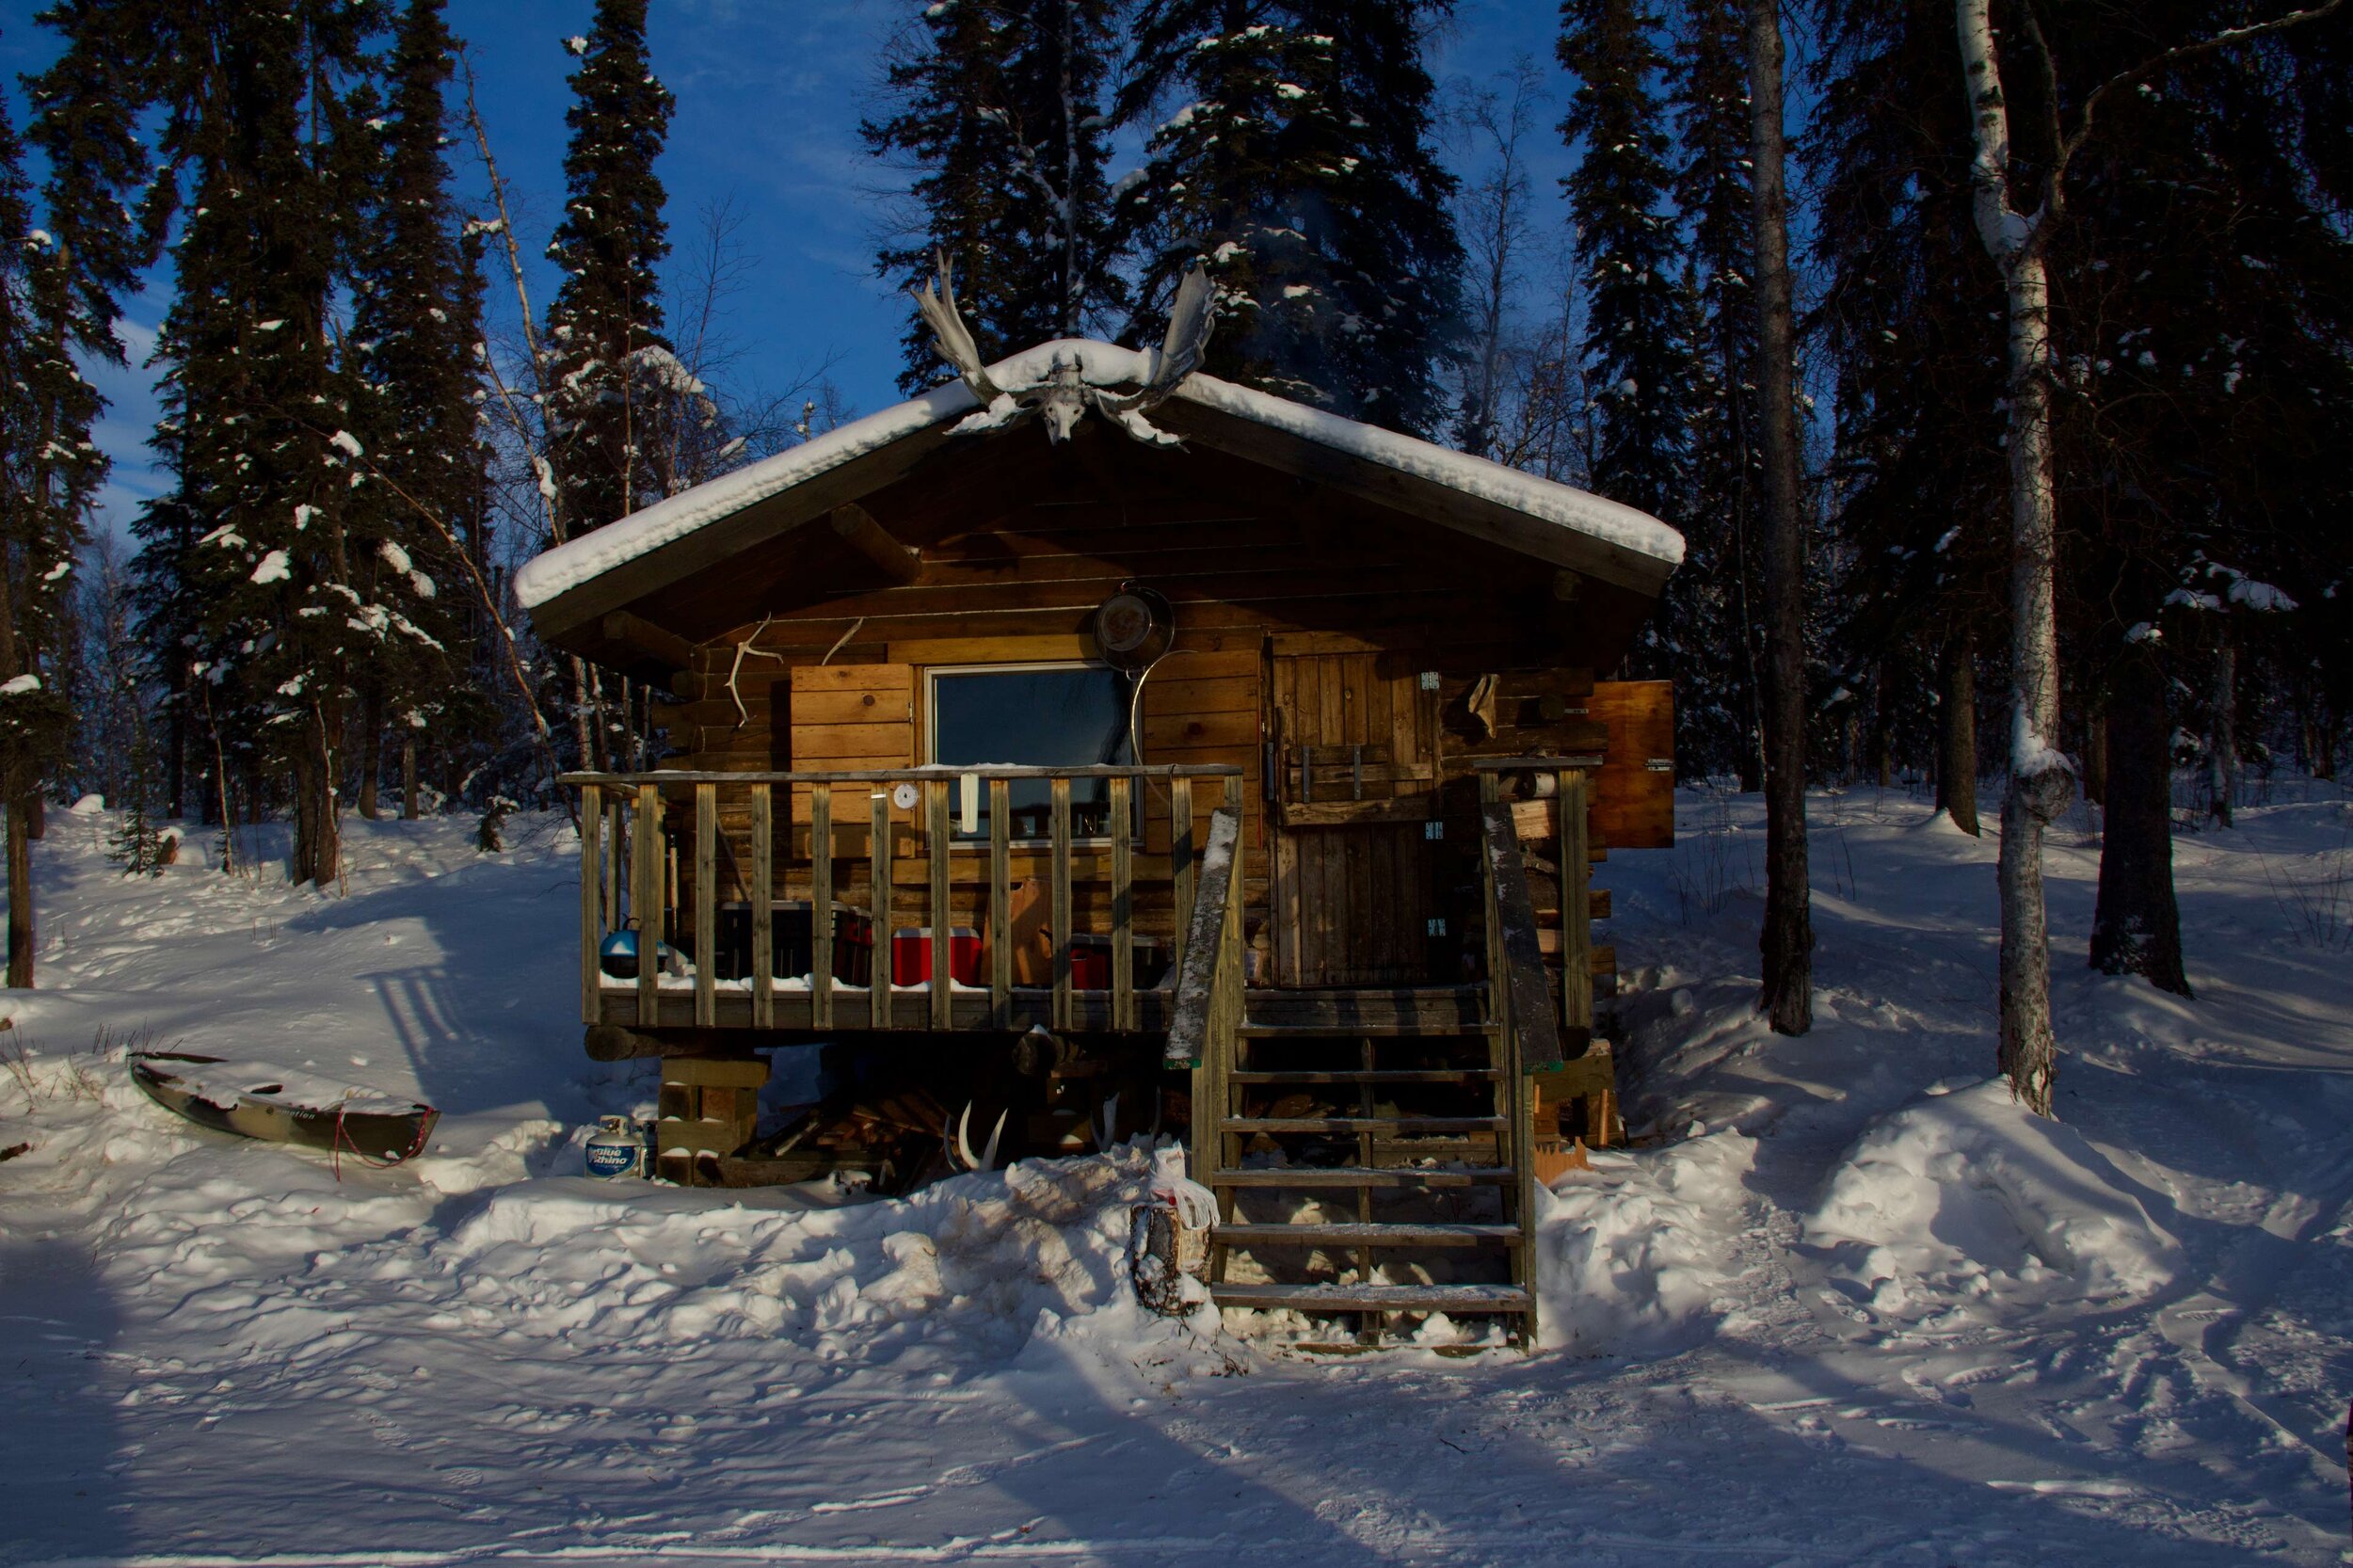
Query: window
{"x": 1037, "y": 715}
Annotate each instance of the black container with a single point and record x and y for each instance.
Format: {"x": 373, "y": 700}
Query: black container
{"x": 731, "y": 956}
{"x": 791, "y": 939}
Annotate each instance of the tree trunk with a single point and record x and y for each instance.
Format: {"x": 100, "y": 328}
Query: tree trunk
{"x": 1882, "y": 739}
{"x": 2040, "y": 779}
{"x": 2096, "y": 759}
{"x": 584, "y": 726}
{"x": 2222, "y": 728}
{"x": 409, "y": 776}
{"x": 371, "y": 748}
{"x": 19, "y": 893}
{"x": 2137, "y": 926}
{"x": 1788, "y": 943}
{"x": 318, "y": 848}
{"x": 1956, "y": 731}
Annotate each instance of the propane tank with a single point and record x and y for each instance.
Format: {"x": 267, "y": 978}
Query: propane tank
{"x": 616, "y": 1149}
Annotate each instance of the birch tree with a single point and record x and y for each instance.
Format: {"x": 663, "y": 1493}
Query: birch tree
{"x": 2016, "y": 227}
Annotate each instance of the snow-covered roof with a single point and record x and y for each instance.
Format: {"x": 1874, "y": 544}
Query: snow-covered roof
{"x": 1103, "y": 364}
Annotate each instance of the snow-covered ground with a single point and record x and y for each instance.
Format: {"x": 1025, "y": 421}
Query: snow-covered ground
{"x": 1854, "y": 1308}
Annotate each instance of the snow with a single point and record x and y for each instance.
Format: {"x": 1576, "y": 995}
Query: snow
{"x": 274, "y": 568}
{"x": 1102, "y": 364}
{"x": 17, "y": 685}
{"x": 1846, "y": 1305}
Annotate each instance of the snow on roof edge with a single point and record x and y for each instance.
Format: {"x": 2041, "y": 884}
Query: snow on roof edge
{"x": 582, "y": 560}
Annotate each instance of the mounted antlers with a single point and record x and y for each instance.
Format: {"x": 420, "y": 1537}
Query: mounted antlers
{"x": 1065, "y": 396}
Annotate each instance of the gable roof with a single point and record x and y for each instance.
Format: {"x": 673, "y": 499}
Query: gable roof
{"x": 1551, "y": 522}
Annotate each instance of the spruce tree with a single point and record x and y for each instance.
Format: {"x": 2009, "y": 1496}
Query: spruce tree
{"x": 57, "y": 283}
{"x": 604, "y": 338}
{"x": 1299, "y": 172}
{"x": 1714, "y": 603}
{"x": 1637, "y": 354}
{"x": 254, "y": 603}
{"x": 999, "y": 109}
{"x": 415, "y": 322}
{"x": 1917, "y": 460}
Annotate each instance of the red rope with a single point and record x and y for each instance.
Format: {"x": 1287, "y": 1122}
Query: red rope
{"x": 342, "y": 1138}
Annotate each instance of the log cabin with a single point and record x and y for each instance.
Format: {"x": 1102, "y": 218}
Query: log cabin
{"x": 1093, "y": 747}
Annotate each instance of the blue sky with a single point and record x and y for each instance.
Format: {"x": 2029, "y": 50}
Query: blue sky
{"x": 769, "y": 96}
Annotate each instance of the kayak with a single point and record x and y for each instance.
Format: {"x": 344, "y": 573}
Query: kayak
{"x": 279, "y": 1105}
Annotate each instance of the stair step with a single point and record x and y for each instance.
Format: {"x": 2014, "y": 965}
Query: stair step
{"x": 1376, "y": 1298}
{"x": 1359, "y": 1175}
{"x": 1354, "y": 1235}
{"x": 1393, "y": 1125}
{"x": 1409, "y": 1030}
{"x": 1368, "y": 1075}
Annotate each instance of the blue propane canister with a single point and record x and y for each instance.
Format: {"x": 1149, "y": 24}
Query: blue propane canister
{"x": 616, "y": 1149}
{"x": 618, "y": 957}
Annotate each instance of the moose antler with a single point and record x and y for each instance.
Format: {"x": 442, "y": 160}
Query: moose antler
{"x": 1064, "y": 395}
{"x": 1188, "y": 340}
{"x": 950, "y": 335}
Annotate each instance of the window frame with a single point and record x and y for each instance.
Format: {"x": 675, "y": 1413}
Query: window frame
{"x": 1020, "y": 666}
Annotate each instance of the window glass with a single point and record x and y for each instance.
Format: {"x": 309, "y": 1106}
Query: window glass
{"x": 1066, "y": 716}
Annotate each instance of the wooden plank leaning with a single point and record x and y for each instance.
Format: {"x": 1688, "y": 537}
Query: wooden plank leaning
{"x": 1528, "y": 999}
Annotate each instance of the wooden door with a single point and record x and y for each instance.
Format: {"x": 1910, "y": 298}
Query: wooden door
{"x": 1356, "y": 758}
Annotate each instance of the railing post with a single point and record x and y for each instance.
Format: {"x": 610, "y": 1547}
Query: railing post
{"x": 591, "y": 902}
{"x": 762, "y": 889}
{"x": 706, "y": 904}
{"x": 935, "y": 861}
{"x": 1576, "y": 931}
{"x": 1000, "y": 904}
{"x": 820, "y": 906}
{"x": 646, "y": 904}
{"x": 1123, "y": 906}
{"x": 1061, "y": 912}
{"x": 878, "y": 1013}
{"x": 1498, "y": 994}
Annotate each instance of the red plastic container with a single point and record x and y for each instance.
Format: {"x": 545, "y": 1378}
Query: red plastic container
{"x": 911, "y": 956}
{"x": 1091, "y": 963}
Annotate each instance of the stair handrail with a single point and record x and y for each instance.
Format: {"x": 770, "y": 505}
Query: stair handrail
{"x": 1520, "y": 998}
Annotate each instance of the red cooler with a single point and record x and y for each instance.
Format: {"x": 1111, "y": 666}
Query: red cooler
{"x": 911, "y": 956}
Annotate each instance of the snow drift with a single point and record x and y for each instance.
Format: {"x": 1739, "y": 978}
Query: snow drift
{"x": 1631, "y": 1256}
{"x": 1966, "y": 1195}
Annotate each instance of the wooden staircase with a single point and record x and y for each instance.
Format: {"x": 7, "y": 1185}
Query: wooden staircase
{"x": 1371, "y": 1172}
{"x": 1374, "y": 1154}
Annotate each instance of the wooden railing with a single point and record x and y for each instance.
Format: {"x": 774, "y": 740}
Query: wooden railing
{"x": 844, "y": 844}
{"x": 1514, "y": 944}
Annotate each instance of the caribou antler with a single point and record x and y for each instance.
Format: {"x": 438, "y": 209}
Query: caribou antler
{"x": 950, "y": 335}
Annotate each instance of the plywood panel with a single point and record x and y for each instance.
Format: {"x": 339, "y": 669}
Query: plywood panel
{"x": 1634, "y": 804}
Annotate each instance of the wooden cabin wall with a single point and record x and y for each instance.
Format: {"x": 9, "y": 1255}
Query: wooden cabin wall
{"x": 1278, "y": 589}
